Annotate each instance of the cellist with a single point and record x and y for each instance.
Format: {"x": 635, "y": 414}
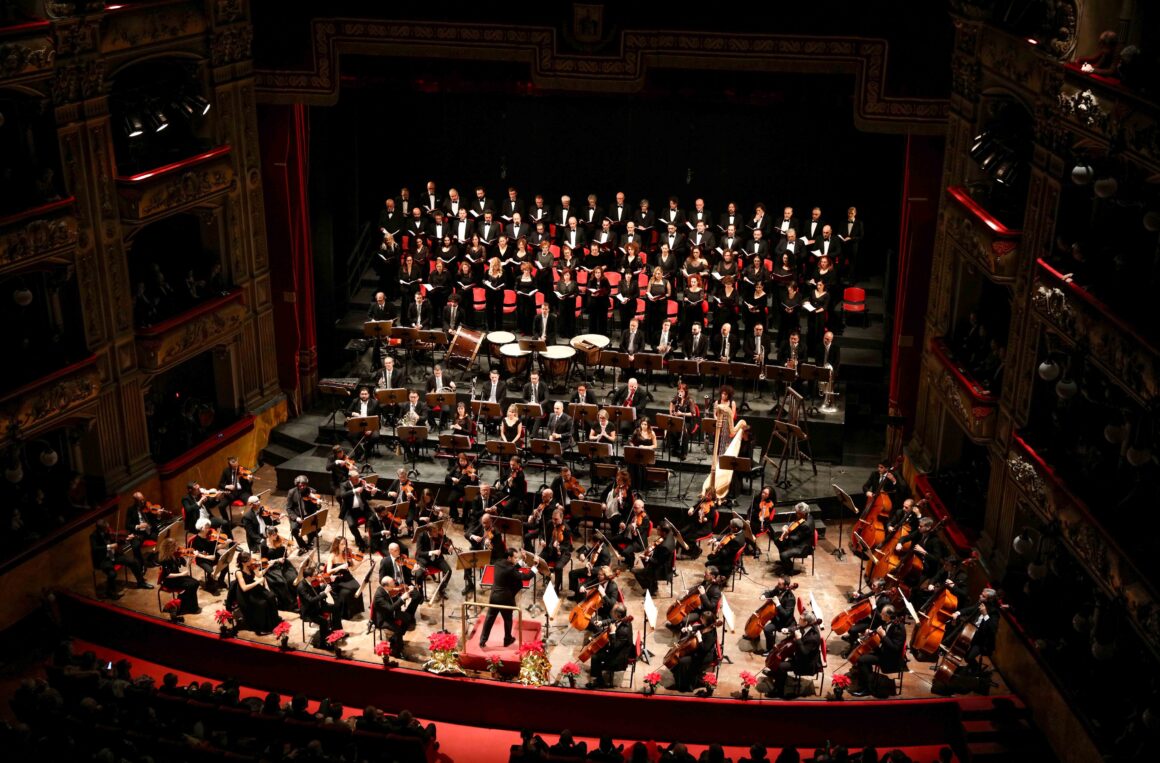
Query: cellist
{"x": 926, "y": 544}
{"x": 617, "y": 653}
{"x": 786, "y": 605}
{"x": 691, "y": 667}
{"x": 605, "y": 586}
{"x": 806, "y": 659}
{"x": 907, "y": 514}
{"x": 952, "y": 577}
{"x": 889, "y": 653}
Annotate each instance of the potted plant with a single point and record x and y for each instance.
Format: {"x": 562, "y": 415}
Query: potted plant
{"x": 495, "y": 667}
{"x": 651, "y": 681}
{"x": 708, "y": 684}
{"x": 173, "y": 609}
{"x": 282, "y": 633}
{"x": 383, "y": 650}
{"x": 840, "y": 682}
{"x": 748, "y": 681}
{"x": 535, "y": 670}
{"x": 569, "y": 674}
{"x": 334, "y": 641}
{"x": 225, "y": 621}
{"x": 443, "y": 646}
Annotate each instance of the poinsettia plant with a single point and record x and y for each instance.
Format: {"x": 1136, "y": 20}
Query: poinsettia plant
{"x": 840, "y": 681}
{"x": 282, "y": 629}
{"x": 652, "y": 679}
{"x": 710, "y": 680}
{"x": 223, "y": 617}
{"x": 570, "y": 669}
{"x": 748, "y": 679}
{"x": 335, "y": 637}
{"x": 442, "y": 641}
{"x": 383, "y": 649}
{"x": 532, "y": 647}
{"x": 172, "y": 605}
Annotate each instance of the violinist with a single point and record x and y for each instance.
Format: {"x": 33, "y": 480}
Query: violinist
{"x": 657, "y": 560}
{"x": 617, "y": 497}
{"x": 301, "y": 502}
{"x": 340, "y": 467}
{"x": 598, "y": 556}
{"x": 352, "y": 500}
{"x": 535, "y": 526}
{"x": 107, "y": 555}
{"x": 205, "y": 556}
{"x": 783, "y": 594}
{"x": 175, "y": 577}
{"x": 461, "y": 474}
{"x": 403, "y": 491}
{"x": 402, "y": 568}
{"x": 558, "y": 545}
{"x": 383, "y": 528}
{"x": 393, "y": 610}
{"x": 797, "y": 537}
{"x": 431, "y": 549}
{"x": 728, "y": 548}
{"x": 761, "y": 514}
{"x": 952, "y": 577}
{"x": 889, "y": 654}
{"x": 344, "y": 587}
{"x": 259, "y": 608}
{"x": 691, "y": 667}
{"x": 490, "y": 501}
{"x": 236, "y": 484}
{"x": 311, "y": 590}
{"x": 280, "y": 573}
{"x": 926, "y": 544}
{"x": 254, "y": 523}
{"x": 568, "y": 488}
{"x": 807, "y": 657}
{"x": 702, "y": 519}
{"x": 141, "y": 523}
{"x": 617, "y": 653}
{"x": 515, "y": 485}
{"x": 193, "y": 504}
{"x": 633, "y": 535}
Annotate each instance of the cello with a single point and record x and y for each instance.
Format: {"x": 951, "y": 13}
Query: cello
{"x": 582, "y": 614}
{"x": 600, "y": 641}
{"x": 683, "y": 607}
{"x": 783, "y": 651}
{"x": 755, "y": 626}
{"x": 954, "y": 658}
{"x": 862, "y": 609}
{"x": 682, "y": 648}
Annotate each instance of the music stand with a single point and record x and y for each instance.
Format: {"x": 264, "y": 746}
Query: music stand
{"x": 538, "y": 564}
{"x": 500, "y": 448}
{"x": 312, "y": 524}
{"x": 529, "y": 411}
{"x": 224, "y": 561}
{"x": 389, "y": 399}
{"x": 781, "y": 375}
{"x": 595, "y": 450}
{"x": 745, "y": 371}
{"x": 735, "y": 464}
{"x": 546, "y": 449}
{"x": 413, "y": 435}
{"x": 638, "y": 456}
{"x": 472, "y": 560}
{"x": 655, "y": 477}
{"x": 587, "y": 510}
{"x": 617, "y": 360}
{"x": 407, "y": 337}
{"x": 508, "y": 525}
{"x": 792, "y": 436}
{"x": 717, "y": 368}
{"x": 364, "y": 426}
{"x": 445, "y": 400}
{"x": 687, "y": 367}
{"x": 583, "y": 412}
{"x": 844, "y": 499}
{"x": 649, "y": 361}
{"x": 618, "y": 414}
{"x": 455, "y": 443}
{"x": 534, "y": 346}
{"x": 482, "y": 408}
{"x": 811, "y": 373}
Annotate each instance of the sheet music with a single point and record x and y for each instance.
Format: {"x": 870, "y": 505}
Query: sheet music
{"x": 551, "y": 599}
{"x": 650, "y": 610}
{"x": 727, "y": 613}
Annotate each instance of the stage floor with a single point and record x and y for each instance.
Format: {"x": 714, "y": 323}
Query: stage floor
{"x": 827, "y": 582}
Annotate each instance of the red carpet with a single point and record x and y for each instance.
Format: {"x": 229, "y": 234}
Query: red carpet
{"x": 475, "y": 657}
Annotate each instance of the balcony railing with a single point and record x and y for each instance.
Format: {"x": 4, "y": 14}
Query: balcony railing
{"x": 37, "y": 233}
{"x": 170, "y": 342}
{"x": 987, "y": 242}
{"x": 1087, "y": 538}
{"x": 973, "y": 406}
{"x": 49, "y": 398}
{"x": 191, "y": 181}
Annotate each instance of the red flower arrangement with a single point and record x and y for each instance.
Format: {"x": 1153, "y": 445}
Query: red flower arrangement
{"x": 710, "y": 680}
{"x": 652, "y": 679}
{"x": 572, "y": 669}
{"x": 335, "y": 637}
{"x": 840, "y": 681}
{"x": 173, "y": 605}
{"x": 223, "y": 617}
{"x": 532, "y": 647}
{"x": 383, "y": 649}
{"x": 442, "y": 641}
{"x": 282, "y": 629}
{"x": 748, "y": 679}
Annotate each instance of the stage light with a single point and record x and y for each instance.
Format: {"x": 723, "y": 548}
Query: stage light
{"x": 1023, "y": 544}
{"x": 991, "y": 159}
{"x": 981, "y": 142}
{"x": 158, "y": 119}
{"x": 193, "y": 105}
{"x": 1007, "y": 171}
{"x": 1066, "y": 388}
{"x": 134, "y": 127}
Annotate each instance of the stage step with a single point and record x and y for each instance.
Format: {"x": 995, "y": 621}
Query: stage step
{"x": 297, "y": 434}
{"x": 277, "y": 455}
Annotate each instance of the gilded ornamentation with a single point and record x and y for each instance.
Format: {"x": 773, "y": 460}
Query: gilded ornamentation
{"x": 865, "y": 58}
{"x": 1089, "y": 544}
{"x": 78, "y": 38}
{"x": 78, "y": 81}
{"x": 231, "y": 45}
{"x": 23, "y": 58}
{"x": 170, "y": 192}
{"x": 36, "y": 239}
{"x": 995, "y": 256}
{"x": 228, "y": 10}
{"x": 1027, "y": 477}
{"x": 157, "y": 352}
{"x": 44, "y": 404}
{"x": 165, "y": 23}
{"x": 1085, "y": 108}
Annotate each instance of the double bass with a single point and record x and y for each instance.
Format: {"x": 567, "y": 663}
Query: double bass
{"x": 935, "y": 616}
{"x": 869, "y": 532}
{"x": 896, "y": 565}
{"x": 755, "y": 626}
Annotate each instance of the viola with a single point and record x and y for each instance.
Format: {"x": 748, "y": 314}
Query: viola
{"x": 558, "y": 535}
{"x": 790, "y": 528}
{"x": 765, "y": 510}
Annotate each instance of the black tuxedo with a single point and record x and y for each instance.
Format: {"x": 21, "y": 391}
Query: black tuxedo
{"x": 793, "y": 223}
{"x": 561, "y": 425}
{"x": 708, "y": 241}
{"x": 678, "y": 244}
{"x": 811, "y": 230}
{"x": 462, "y": 234}
{"x": 419, "y": 314}
{"x": 348, "y": 495}
{"x": 726, "y": 220}
{"x": 589, "y": 399}
{"x": 377, "y": 312}
{"x": 417, "y": 226}
{"x": 516, "y": 234}
{"x": 535, "y": 214}
{"x": 541, "y": 391}
{"x": 632, "y": 344}
{"x": 627, "y": 239}
{"x": 450, "y": 323}
{"x": 833, "y": 251}
{"x": 452, "y": 210}
{"x": 696, "y": 347}
{"x": 616, "y": 655}
{"x": 508, "y": 581}
{"x": 674, "y": 216}
{"x": 538, "y": 328}
{"x": 694, "y": 217}
{"x": 762, "y": 225}
{"x": 759, "y": 249}
{"x": 796, "y": 251}
{"x": 644, "y": 219}
{"x": 619, "y": 214}
{"x": 833, "y": 357}
{"x": 478, "y": 206}
{"x": 852, "y": 231}
{"x": 734, "y": 244}
{"x": 431, "y": 202}
{"x": 591, "y": 216}
{"x": 751, "y": 348}
{"x": 488, "y": 232}
{"x": 560, "y": 217}
{"x": 510, "y": 207}
{"x": 391, "y": 221}
{"x": 575, "y": 239}
{"x": 500, "y": 394}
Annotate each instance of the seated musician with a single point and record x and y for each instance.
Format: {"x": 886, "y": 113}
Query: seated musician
{"x": 403, "y": 491}
{"x": 791, "y": 353}
{"x": 631, "y": 396}
{"x": 352, "y": 500}
{"x": 490, "y": 501}
{"x": 728, "y": 547}
{"x": 205, "y": 556}
{"x": 453, "y": 316}
{"x": 194, "y": 505}
{"x": 618, "y": 652}
{"x": 952, "y": 576}
{"x": 313, "y": 606}
{"x": 583, "y": 396}
{"x": 436, "y": 383}
{"x": 807, "y": 657}
{"x": 140, "y": 525}
{"x": 696, "y": 345}
{"x": 404, "y": 569}
{"x": 536, "y": 522}
{"x": 557, "y": 546}
{"x": 535, "y": 392}
{"x": 761, "y": 514}
{"x": 909, "y": 513}
{"x": 106, "y": 556}
{"x": 970, "y": 613}
{"x": 632, "y": 339}
{"x": 632, "y": 536}
{"x": 299, "y": 506}
{"x": 383, "y": 528}
{"x": 493, "y": 391}
{"x": 393, "y": 610}
{"x": 666, "y": 340}
{"x": 702, "y": 520}
{"x": 363, "y": 407}
{"x": 602, "y": 430}
{"x": 234, "y": 485}
{"x": 339, "y": 466}
{"x": 567, "y": 488}
{"x": 786, "y": 606}
{"x": 484, "y": 536}
{"x": 388, "y": 377}
{"x": 797, "y": 537}
{"x": 175, "y": 577}
{"x": 881, "y": 480}
{"x": 254, "y": 523}
{"x": 413, "y": 413}
{"x": 544, "y": 325}
{"x": 559, "y": 427}
{"x": 884, "y": 598}
{"x": 644, "y": 436}
{"x": 461, "y": 475}
{"x": 889, "y": 655}
{"x": 463, "y": 424}
{"x": 419, "y": 312}
{"x": 595, "y": 557}
{"x": 689, "y": 669}
{"x": 926, "y": 544}
{"x": 986, "y": 623}
{"x": 431, "y": 549}
{"x": 657, "y": 561}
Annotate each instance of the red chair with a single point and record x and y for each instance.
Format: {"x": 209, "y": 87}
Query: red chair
{"x": 478, "y": 299}
{"x": 639, "y": 315}
{"x": 613, "y": 278}
{"x": 854, "y": 301}
{"x": 162, "y": 588}
{"x": 539, "y": 299}
{"x": 509, "y": 301}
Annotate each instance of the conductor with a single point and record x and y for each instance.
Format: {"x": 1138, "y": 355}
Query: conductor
{"x": 509, "y": 581}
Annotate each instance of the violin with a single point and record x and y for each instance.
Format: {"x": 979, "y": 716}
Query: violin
{"x": 217, "y": 536}
{"x": 558, "y": 535}
{"x": 648, "y": 552}
{"x": 395, "y": 591}
{"x": 353, "y": 556}
{"x": 789, "y": 529}
{"x": 246, "y": 474}
{"x": 573, "y": 487}
{"x": 211, "y": 492}
{"x": 313, "y": 497}
{"x": 724, "y": 539}
{"x": 271, "y": 514}
{"x": 765, "y": 510}
{"x": 155, "y": 509}
{"x": 405, "y": 561}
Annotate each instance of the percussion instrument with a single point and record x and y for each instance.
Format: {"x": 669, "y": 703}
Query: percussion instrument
{"x": 465, "y": 344}
{"x": 496, "y": 340}
{"x": 590, "y": 346}
{"x": 515, "y": 360}
{"x": 556, "y": 360}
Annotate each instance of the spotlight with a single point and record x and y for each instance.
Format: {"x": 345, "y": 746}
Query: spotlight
{"x": 134, "y": 127}
{"x": 1023, "y": 544}
{"x": 1007, "y": 171}
{"x": 193, "y": 105}
{"x": 158, "y": 119}
{"x": 1066, "y": 388}
{"x": 981, "y": 141}
{"x": 990, "y": 161}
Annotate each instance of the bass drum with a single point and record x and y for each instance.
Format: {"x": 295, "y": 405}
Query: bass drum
{"x": 464, "y": 347}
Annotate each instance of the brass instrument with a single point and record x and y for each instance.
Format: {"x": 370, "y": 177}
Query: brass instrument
{"x": 410, "y": 418}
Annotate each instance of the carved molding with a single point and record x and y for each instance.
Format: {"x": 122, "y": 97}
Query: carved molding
{"x": 39, "y": 238}
{"x": 977, "y": 420}
{"x": 231, "y": 44}
{"x": 20, "y": 59}
{"x": 74, "y": 82}
{"x": 143, "y": 201}
{"x": 157, "y": 352}
{"x": 42, "y": 405}
{"x": 76, "y": 38}
{"x": 997, "y": 257}
{"x": 151, "y": 24}
{"x": 229, "y": 10}
{"x": 639, "y": 51}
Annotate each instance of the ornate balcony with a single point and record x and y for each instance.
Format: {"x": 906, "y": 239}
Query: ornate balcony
{"x": 1087, "y": 539}
{"x": 49, "y": 399}
{"x": 181, "y": 337}
{"x": 36, "y": 234}
{"x": 26, "y": 52}
{"x": 132, "y": 26}
{"x": 983, "y": 240}
{"x": 973, "y": 406}
{"x": 150, "y": 194}
{"x": 1115, "y": 346}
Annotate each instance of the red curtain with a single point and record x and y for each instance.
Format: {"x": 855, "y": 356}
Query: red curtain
{"x": 285, "y": 138}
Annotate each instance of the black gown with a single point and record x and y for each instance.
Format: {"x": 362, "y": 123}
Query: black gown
{"x": 280, "y": 577}
{"x": 344, "y": 588}
{"x": 259, "y": 608}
